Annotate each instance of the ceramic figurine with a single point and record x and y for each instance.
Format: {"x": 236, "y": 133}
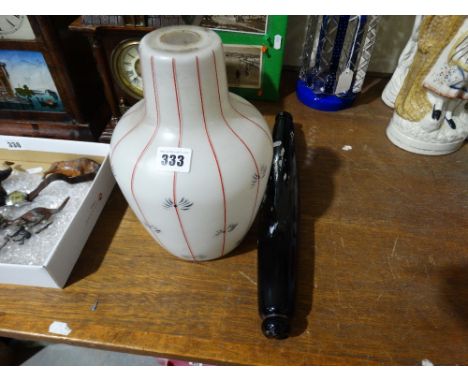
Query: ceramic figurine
{"x": 72, "y": 168}
{"x": 191, "y": 158}
{"x": 393, "y": 87}
{"x": 335, "y": 57}
{"x": 430, "y": 110}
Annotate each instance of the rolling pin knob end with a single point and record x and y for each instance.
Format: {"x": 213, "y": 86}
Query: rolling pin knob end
{"x": 276, "y": 327}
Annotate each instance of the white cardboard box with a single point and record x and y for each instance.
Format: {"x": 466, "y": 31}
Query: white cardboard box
{"x": 59, "y": 263}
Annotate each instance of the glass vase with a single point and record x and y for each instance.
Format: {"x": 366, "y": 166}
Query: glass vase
{"x": 335, "y": 58}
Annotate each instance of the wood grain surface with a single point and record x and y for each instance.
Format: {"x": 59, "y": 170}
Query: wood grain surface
{"x": 383, "y": 267}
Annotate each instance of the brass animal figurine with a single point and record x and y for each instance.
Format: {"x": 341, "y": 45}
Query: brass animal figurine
{"x": 53, "y": 177}
{"x": 72, "y": 172}
{"x": 29, "y": 220}
{"x": 20, "y": 235}
{"x": 72, "y": 168}
{"x": 37, "y": 216}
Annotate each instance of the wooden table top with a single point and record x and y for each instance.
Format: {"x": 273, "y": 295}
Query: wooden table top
{"x": 383, "y": 264}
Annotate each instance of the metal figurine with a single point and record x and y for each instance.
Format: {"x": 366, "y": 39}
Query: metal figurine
{"x": 72, "y": 172}
{"x": 20, "y": 235}
{"x": 57, "y": 176}
{"x": 39, "y": 217}
{"x": 73, "y": 168}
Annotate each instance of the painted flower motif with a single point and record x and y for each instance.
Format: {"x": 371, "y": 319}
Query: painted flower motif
{"x": 231, "y": 227}
{"x": 153, "y": 228}
{"x": 183, "y": 204}
{"x": 257, "y": 177}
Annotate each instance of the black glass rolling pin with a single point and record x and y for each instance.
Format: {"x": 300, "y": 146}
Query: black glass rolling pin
{"x": 277, "y": 240}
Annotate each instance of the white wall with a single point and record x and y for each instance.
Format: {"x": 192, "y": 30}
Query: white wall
{"x": 393, "y": 33}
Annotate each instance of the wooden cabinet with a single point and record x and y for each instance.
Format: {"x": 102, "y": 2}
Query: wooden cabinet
{"x": 106, "y": 42}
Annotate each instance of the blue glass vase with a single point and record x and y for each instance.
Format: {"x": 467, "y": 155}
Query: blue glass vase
{"x": 335, "y": 58}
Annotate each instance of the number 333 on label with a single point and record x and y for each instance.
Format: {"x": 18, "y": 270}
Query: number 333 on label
{"x": 174, "y": 159}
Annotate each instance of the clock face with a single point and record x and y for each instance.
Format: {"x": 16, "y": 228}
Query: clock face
{"x": 126, "y": 68}
{"x": 15, "y": 28}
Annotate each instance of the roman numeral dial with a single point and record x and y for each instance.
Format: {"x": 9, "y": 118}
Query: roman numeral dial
{"x": 126, "y": 68}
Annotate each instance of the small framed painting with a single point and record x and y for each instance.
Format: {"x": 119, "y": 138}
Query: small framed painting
{"x": 243, "y": 65}
{"x": 243, "y": 24}
{"x": 26, "y": 82}
{"x": 254, "y": 49}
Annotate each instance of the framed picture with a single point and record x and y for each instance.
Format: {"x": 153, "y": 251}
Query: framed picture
{"x": 243, "y": 65}
{"x": 47, "y": 84}
{"x": 243, "y": 24}
{"x": 26, "y": 82}
{"x": 254, "y": 47}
